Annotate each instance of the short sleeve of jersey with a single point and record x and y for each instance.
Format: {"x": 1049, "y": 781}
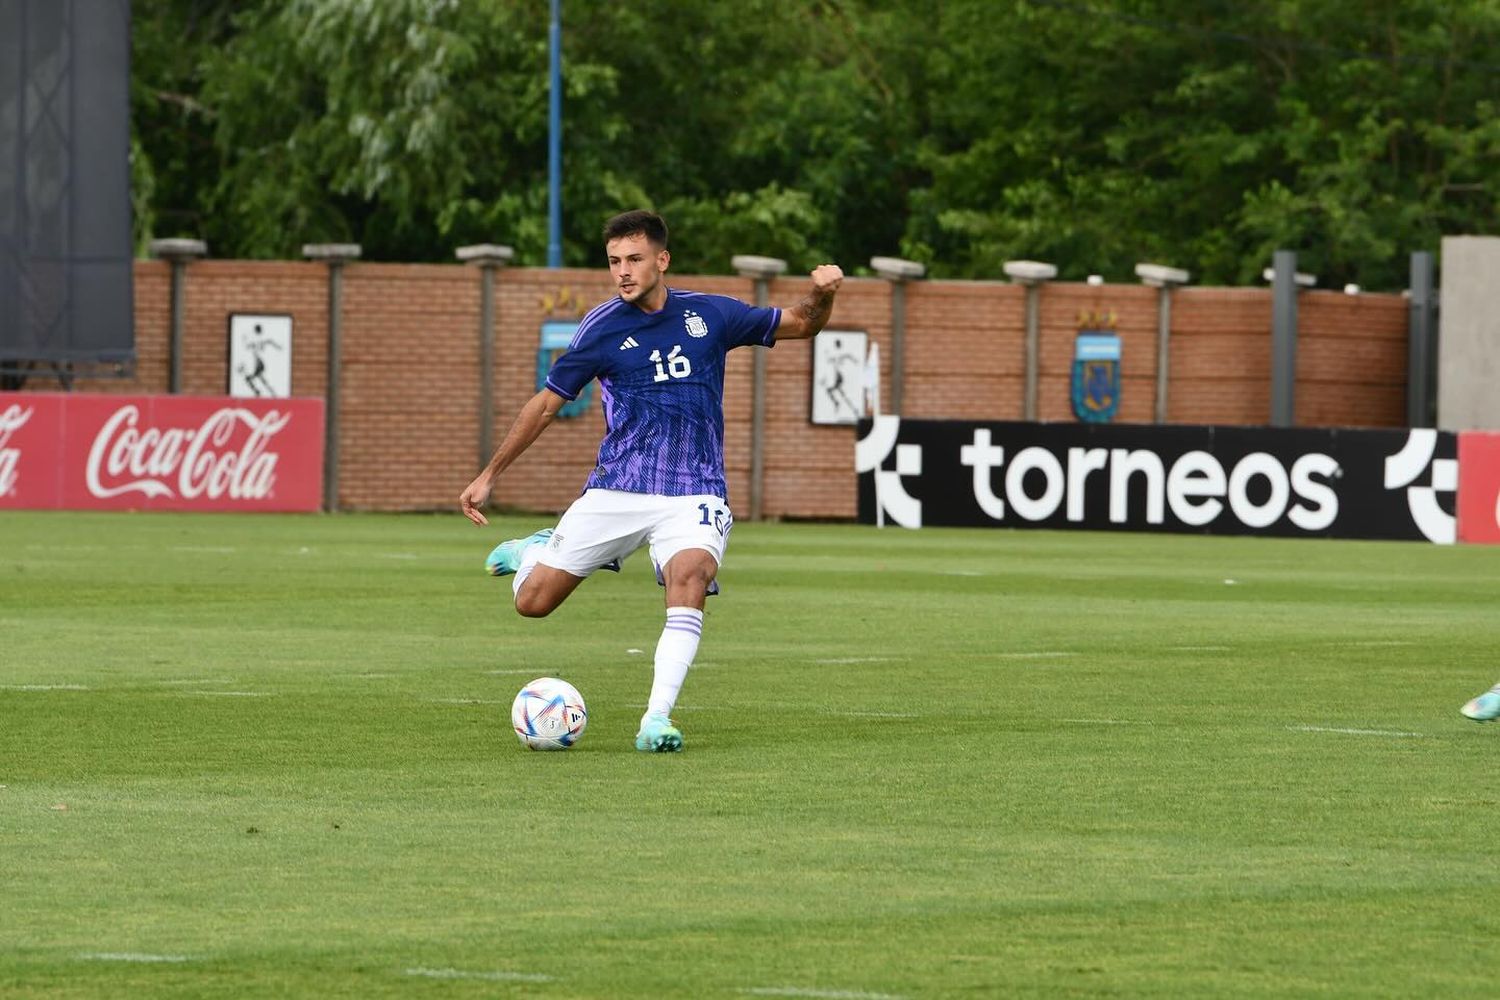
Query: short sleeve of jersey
{"x": 574, "y": 368}
{"x": 747, "y": 325}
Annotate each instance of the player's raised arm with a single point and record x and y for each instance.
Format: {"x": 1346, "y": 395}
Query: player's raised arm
{"x": 807, "y": 317}
{"x": 528, "y": 426}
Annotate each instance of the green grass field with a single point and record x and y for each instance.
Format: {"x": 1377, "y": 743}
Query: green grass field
{"x": 270, "y": 756}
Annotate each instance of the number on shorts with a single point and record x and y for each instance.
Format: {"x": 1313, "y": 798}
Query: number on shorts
{"x": 722, "y": 519}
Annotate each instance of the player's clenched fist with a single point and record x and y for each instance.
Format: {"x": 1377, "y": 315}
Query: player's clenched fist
{"x": 827, "y": 277}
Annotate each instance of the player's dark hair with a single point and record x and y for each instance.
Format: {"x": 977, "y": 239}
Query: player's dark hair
{"x": 637, "y": 223}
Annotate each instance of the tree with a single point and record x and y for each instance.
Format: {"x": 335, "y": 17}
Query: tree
{"x": 960, "y": 133}
{"x": 1209, "y": 135}
{"x": 172, "y": 143}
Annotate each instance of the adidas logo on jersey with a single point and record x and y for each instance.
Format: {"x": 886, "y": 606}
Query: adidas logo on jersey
{"x": 628, "y": 343}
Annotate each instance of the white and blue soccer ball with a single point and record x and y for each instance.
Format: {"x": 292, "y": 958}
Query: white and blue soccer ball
{"x": 549, "y": 714}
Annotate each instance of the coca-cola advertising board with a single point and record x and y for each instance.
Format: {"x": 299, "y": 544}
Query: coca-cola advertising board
{"x": 101, "y": 452}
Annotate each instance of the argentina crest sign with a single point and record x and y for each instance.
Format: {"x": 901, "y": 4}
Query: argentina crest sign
{"x": 556, "y": 336}
{"x": 1096, "y": 369}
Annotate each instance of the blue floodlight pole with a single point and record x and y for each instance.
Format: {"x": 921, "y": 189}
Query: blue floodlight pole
{"x": 554, "y": 140}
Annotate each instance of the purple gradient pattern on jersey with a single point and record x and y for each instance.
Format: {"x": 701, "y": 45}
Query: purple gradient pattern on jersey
{"x": 669, "y": 442}
{"x": 662, "y": 376}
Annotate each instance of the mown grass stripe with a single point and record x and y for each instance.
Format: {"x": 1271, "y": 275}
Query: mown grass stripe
{"x": 496, "y": 976}
{"x": 797, "y": 991}
{"x": 1351, "y": 732}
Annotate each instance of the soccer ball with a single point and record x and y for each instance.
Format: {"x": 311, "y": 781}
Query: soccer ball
{"x": 549, "y": 714}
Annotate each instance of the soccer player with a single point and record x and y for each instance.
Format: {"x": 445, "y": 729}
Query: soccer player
{"x": 658, "y": 353}
{"x": 1484, "y": 708}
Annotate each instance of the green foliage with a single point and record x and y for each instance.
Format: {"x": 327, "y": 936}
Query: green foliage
{"x": 173, "y": 158}
{"x": 961, "y": 134}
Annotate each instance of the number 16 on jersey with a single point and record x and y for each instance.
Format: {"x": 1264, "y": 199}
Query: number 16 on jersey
{"x": 721, "y": 520}
{"x": 674, "y": 365}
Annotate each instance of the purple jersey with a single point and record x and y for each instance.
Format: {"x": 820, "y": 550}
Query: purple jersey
{"x": 662, "y": 376}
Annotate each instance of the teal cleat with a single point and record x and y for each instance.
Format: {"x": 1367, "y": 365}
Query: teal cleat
{"x": 505, "y": 558}
{"x": 658, "y": 735}
{"x": 1484, "y": 708}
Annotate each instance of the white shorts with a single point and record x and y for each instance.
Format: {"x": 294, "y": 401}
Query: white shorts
{"x": 603, "y": 525}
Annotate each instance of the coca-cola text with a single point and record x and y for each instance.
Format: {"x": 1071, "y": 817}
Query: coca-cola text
{"x": 205, "y": 461}
{"x": 12, "y": 419}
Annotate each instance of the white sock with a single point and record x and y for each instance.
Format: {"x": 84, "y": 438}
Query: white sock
{"x": 674, "y": 654}
{"x": 528, "y": 563}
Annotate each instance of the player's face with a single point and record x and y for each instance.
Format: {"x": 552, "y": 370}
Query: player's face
{"x": 637, "y": 265}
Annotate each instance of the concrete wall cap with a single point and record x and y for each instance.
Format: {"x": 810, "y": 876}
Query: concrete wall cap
{"x": 331, "y": 251}
{"x": 1161, "y": 276}
{"x": 1303, "y": 280}
{"x": 485, "y": 253}
{"x": 178, "y": 249}
{"x": 750, "y": 265}
{"x": 1029, "y": 272}
{"x": 897, "y": 269}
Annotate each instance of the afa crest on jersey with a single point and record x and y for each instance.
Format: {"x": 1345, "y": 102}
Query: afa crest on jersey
{"x": 696, "y": 325}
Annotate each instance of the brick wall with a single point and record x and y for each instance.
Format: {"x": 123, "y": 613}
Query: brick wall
{"x": 1351, "y": 360}
{"x": 410, "y": 409}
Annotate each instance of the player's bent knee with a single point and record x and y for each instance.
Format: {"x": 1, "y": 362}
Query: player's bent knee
{"x": 695, "y": 575}
{"x": 688, "y": 575}
{"x": 533, "y": 608}
{"x": 531, "y": 604}
{"x": 692, "y": 564}
{"x": 544, "y": 591}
